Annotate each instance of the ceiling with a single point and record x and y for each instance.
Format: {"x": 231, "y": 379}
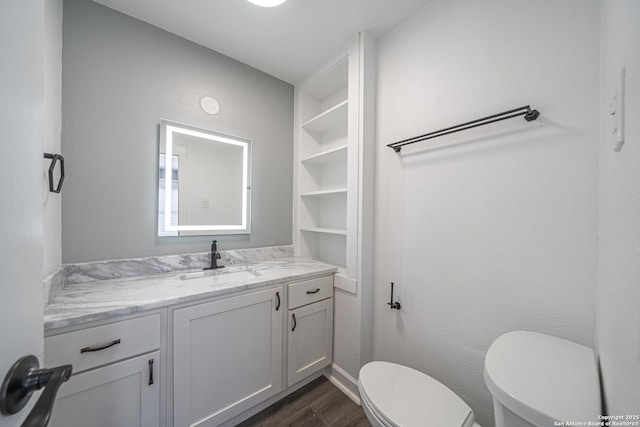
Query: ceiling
{"x": 288, "y": 41}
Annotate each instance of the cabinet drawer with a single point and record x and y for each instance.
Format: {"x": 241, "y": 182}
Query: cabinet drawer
{"x": 135, "y": 336}
{"x": 309, "y": 291}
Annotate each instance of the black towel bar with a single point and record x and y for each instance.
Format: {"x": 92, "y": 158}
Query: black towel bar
{"x": 526, "y": 111}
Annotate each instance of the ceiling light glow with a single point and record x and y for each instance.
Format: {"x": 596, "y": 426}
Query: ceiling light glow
{"x": 267, "y": 3}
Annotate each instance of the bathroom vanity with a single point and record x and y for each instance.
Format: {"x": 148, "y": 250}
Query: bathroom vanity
{"x": 190, "y": 349}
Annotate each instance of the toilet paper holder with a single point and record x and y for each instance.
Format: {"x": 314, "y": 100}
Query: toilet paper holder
{"x": 393, "y": 305}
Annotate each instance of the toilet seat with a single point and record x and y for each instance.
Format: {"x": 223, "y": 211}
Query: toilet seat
{"x": 370, "y": 411}
{"x": 403, "y": 397}
{"x": 372, "y": 414}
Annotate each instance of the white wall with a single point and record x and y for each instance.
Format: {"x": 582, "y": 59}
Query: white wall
{"x": 52, "y": 128}
{"x": 493, "y": 229}
{"x": 618, "y": 315}
{"x": 22, "y": 99}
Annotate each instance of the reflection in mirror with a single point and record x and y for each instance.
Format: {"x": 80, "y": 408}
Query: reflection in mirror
{"x": 204, "y": 182}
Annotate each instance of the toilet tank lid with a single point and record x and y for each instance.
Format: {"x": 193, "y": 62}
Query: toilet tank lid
{"x": 542, "y": 378}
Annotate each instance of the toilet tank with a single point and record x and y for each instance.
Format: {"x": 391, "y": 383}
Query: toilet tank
{"x": 541, "y": 380}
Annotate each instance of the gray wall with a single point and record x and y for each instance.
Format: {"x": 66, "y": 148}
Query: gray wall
{"x": 120, "y": 77}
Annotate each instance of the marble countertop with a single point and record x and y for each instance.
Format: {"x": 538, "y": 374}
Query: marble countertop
{"x": 80, "y": 303}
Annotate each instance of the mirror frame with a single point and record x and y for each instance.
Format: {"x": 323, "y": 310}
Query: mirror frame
{"x": 167, "y": 130}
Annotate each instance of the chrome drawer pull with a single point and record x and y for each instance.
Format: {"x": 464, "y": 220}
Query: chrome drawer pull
{"x": 88, "y": 349}
{"x": 315, "y": 291}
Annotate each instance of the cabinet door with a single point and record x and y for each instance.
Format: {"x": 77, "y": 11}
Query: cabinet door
{"x": 227, "y": 357}
{"x": 310, "y": 341}
{"x": 121, "y": 394}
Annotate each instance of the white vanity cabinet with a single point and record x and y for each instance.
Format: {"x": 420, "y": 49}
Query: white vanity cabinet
{"x": 227, "y": 356}
{"x": 116, "y": 374}
{"x": 310, "y": 327}
{"x": 202, "y": 362}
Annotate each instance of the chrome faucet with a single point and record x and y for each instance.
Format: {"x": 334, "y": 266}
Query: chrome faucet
{"x": 215, "y": 256}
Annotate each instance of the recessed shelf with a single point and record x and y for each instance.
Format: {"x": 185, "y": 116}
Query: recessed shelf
{"x": 329, "y": 248}
{"x": 330, "y": 81}
{"x": 327, "y": 156}
{"x": 323, "y": 230}
{"x": 334, "y": 117}
{"x": 322, "y": 193}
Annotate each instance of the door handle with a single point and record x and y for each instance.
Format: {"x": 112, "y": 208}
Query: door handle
{"x": 278, "y": 305}
{"x": 22, "y": 380}
{"x": 295, "y": 323}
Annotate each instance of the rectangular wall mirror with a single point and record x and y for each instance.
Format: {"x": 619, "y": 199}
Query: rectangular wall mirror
{"x": 204, "y": 182}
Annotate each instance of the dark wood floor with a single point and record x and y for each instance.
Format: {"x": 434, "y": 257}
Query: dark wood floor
{"x": 318, "y": 404}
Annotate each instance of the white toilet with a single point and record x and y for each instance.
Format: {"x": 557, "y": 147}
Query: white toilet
{"x": 540, "y": 380}
{"x": 397, "y": 396}
{"x": 535, "y": 379}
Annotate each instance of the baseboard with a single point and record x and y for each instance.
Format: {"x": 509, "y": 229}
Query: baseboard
{"x": 345, "y": 382}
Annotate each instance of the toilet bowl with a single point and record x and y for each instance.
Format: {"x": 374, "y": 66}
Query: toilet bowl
{"x": 393, "y": 395}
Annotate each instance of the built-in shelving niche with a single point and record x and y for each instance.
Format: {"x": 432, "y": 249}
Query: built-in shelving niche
{"x": 325, "y": 138}
{"x": 333, "y": 200}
